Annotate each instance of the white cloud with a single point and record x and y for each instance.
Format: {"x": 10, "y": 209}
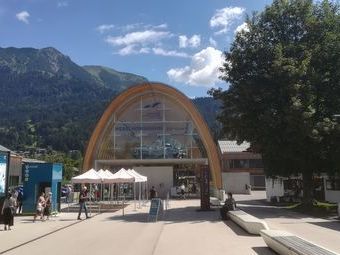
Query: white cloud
{"x": 243, "y": 27}
{"x": 212, "y": 42}
{"x": 141, "y": 37}
{"x": 62, "y": 4}
{"x": 142, "y": 26}
{"x": 104, "y": 28}
{"x": 171, "y": 53}
{"x": 203, "y": 70}
{"x": 23, "y": 16}
{"x": 133, "y": 49}
{"x": 223, "y": 18}
{"x": 193, "y": 42}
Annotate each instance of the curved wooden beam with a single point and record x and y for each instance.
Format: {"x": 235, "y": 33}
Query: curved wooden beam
{"x": 214, "y": 155}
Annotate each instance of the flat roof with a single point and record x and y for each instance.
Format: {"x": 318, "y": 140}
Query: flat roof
{"x": 232, "y": 146}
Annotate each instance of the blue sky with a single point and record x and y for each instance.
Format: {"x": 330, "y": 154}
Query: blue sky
{"x": 175, "y": 42}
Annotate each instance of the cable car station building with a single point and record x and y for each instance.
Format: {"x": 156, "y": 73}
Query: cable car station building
{"x": 156, "y": 130}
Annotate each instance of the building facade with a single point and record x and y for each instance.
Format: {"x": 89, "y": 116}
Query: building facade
{"x": 156, "y": 130}
{"x": 241, "y": 168}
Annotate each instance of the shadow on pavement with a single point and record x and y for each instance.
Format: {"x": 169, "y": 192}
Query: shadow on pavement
{"x": 252, "y": 202}
{"x": 235, "y": 228}
{"x": 263, "y": 251}
{"x": 175, "y": 215}
{"x": 271, "y": 212}
{"x": 334, "y": 225}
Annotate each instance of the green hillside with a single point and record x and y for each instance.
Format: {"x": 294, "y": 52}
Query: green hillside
{"x": 48, "y": 101}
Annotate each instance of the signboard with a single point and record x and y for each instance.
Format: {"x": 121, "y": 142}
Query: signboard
{"x": 156, "y": 208}
{"x": 3, "y": 173}
{"x": 205, "y": 192}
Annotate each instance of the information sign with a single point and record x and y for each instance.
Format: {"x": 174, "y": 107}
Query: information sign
{"x": 156, "y": 208}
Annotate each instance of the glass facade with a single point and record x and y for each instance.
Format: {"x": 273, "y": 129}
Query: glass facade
{"x": 151, "y": 126}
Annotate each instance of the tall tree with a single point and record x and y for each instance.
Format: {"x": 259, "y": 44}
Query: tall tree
{"x": 284, "y": 77}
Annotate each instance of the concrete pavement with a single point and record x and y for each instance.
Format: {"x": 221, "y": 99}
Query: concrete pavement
{"x": 324, "y": 232}
{"x": 182, "y": 230}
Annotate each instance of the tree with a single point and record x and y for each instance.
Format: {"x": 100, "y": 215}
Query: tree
{"x": 284, "y": 76}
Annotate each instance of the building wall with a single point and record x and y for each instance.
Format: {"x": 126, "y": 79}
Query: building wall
{"x": 159, "y": 176}
{"x": 247, "y": 170}
{"x": 15, "y": 170}
{"x": 236, "y": 182}
{"x": 332, "y": 196}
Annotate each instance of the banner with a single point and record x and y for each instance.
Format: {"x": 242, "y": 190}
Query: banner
{"x": 3, "y": 173}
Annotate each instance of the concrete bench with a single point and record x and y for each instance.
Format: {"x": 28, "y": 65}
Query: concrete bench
{"x": 248, "y": 222}
{"x": 215, "y": 201}
{"x": 285, "y": 243}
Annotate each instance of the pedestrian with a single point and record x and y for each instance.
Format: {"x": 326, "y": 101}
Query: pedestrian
{"x": 47, "y": 208}
{"x": 153, "y": 192}
{"x": 182, "y": 187}
{"x": 194, "y": 188}
{"x": 19, "y": 201}
{"x": 83, "y": 197}
{"x": 8, "y": 211}
{"x": 40, "y": 207}
{"x": 69, "y": 194}
{"x": 229, "y": 205}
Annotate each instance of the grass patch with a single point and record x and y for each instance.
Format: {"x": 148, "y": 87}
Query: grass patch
{"x": 318, "y": 209}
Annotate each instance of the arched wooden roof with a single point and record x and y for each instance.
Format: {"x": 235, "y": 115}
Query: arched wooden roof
{"x": 212, "y": 151}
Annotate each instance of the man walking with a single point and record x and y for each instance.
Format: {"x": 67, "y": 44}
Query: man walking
{"x": 83, "y": 197}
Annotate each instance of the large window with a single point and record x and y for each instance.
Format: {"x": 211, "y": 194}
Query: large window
{"x": 151, "y": 127}
{"x": 243, "y": 163}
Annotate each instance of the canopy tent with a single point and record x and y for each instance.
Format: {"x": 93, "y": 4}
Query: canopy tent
{"x": 108, "y": 173}
{"x": 91, "y": 176}
{"x": 138, "y": 177}
{"x": 105, "y": 176}
{"x": 122, "y": 176}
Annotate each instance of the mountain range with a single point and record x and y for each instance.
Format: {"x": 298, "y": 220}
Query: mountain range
{"x": 48, "y": 101}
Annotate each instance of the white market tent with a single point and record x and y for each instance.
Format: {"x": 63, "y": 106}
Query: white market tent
{"x": 138, "y": 177}
{"x": 122, "y": 176}
{"x": 91, "y": 176}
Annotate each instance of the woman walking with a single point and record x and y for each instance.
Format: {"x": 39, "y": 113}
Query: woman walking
{"x": 8, "y": 210}
{"x": 40, "y": 207}
{"x": 47, "y": 209}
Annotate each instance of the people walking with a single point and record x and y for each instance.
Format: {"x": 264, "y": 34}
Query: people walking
{"x": 83, "y": 197}
{"x": 47, "y": 208}
{"x": 40, "y": 207}
{"x": 8, "y": 211}
{"x": 153, "y": 192}
{"x": 182, "y": 187}
{"x": 19, "y": 202}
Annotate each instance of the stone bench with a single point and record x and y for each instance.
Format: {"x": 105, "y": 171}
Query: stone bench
{"x": 248, "y": 222}
{"x": 215, "y": 201}
{"x": 285, "y": 243}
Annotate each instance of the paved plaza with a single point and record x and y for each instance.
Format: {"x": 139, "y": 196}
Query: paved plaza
{"x": 182, "y": 230}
